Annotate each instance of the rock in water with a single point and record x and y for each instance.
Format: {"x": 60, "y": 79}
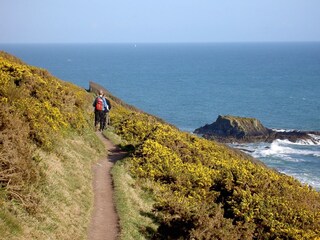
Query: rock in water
{"x": 241, "y": 129}
{"x": 228, "y": 128}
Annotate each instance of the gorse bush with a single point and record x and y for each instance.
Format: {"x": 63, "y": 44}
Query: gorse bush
{"x": 47, "y": 147}
{"x": 205, "y": 190}
{"x": 19, "y": 173}
{"x": 35, "y": 110}
{"x": 202, "y": 189}
{"x": 47, "y": 104}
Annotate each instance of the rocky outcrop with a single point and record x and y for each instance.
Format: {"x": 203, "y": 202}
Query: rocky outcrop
{"x": 239, "y": 129}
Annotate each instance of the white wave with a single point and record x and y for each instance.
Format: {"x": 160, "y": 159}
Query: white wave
{"x": 307, "y": 142}
{"x": 315, "y": 139}
{"x": 284, "y": 142}
{"x": 314, "y": 136}
{"x": 305, "y": 178}
{"x": 276, "y": 148}
{"x": 284, "y": 149}
{"x": 302, "y": 142}
{"x": 284, "y": 130}
{"x": 287, "y": 157}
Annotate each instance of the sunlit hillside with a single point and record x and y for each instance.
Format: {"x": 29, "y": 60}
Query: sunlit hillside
{"x": 47, "y": 146}
{"x": 199, "y": 189}
{"x": 205, "y": 190}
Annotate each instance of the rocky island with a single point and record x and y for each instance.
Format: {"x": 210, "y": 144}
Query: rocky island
{"x": 229, "y": 129}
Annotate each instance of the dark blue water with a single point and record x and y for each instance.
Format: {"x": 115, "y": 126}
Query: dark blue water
{"x": 189, "y": 85}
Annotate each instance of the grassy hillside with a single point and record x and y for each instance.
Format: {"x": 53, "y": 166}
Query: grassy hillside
{"x": 204, "y": 190}
{"x": 178, "y": 186}
{"x": 47, "y": 146}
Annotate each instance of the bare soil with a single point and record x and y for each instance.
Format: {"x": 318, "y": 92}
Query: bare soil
{"x": 104, "y": 219}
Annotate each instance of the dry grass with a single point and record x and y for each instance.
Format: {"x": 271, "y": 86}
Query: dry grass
{"x": 66, "y": 198}
{"x": 134, "y": 205}
{"x": 19, "y": 172}
{"x": 47, "y": 147}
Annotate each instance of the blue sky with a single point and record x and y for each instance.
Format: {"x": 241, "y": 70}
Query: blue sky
{"x": 135, "y": 21}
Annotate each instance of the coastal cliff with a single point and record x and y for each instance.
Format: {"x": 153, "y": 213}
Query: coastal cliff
{"x": 240, "y": 129}
{"x": 195, "y": 188}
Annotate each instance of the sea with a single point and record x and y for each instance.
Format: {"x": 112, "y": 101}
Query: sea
{"x": 191, "y": 84}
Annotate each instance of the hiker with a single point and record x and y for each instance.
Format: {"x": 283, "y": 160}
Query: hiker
{"x": 100, "y": 105}
{"x": 106, "y": 118}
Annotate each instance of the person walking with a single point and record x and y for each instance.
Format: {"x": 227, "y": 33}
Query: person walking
{"x": 106, "y": 118}
{"x": 99, "y": 105}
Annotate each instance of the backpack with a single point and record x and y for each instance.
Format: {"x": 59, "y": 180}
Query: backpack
{"x": 99, "y": 104}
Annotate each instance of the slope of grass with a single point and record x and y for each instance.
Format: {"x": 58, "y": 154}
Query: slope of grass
{"x": 205, "y": 190}
{"x": 47, "y": 146}
{"x": 134, "y": 205}
{"x": 182, "y": 186}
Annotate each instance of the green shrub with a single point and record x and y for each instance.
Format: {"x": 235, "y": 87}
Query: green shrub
{"x": 47, "y": 145}
{"x": 205, "y": 190}
{"x": 49, "y": 105}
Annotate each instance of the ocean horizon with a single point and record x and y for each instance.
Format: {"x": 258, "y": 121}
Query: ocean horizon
{"x": 190, "y": 84}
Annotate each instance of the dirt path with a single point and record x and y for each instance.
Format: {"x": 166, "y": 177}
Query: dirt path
{"x": 104, "y": 220}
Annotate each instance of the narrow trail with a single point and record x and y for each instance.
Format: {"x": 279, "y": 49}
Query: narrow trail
{"x": 104, "y": 219}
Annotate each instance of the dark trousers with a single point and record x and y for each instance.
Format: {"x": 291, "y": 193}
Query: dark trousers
{"x": 105, "y": 119}
{"x": 99, "y": 119}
